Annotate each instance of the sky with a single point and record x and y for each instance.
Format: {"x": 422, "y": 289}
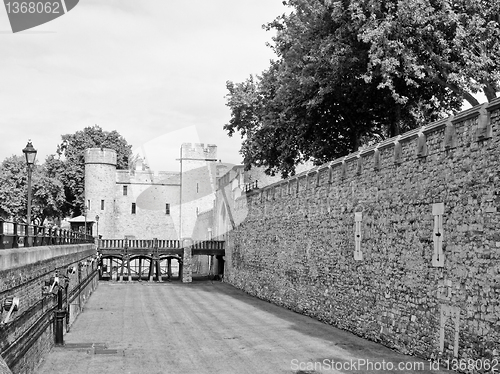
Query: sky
{"x": 153, "y": 70}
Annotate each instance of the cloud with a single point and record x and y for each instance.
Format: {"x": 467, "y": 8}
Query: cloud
{"x": 144, "y": 68}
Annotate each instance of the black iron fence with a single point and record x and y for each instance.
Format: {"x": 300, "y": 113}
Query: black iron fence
{"x": 251, "y": 186}
{"x": 20, "y": 235}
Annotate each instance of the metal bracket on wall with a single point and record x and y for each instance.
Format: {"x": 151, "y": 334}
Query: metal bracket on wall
{"x": 358, "y": 255}
{"x": 437, "y": 235}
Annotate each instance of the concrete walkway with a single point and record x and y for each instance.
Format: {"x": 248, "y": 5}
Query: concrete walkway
{"x": 213, "y": 328}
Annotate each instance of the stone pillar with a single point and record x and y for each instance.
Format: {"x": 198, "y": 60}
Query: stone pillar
{"x": 187, "y": 259}
{"x": 158, "y": 271}
{"x": 151, "y": 269}
{"x": 140, "y": 269}
{"x": 169, "y": 268}
{"x": 114, "y": 276}
{"x": 128, "y": 269}
{"x": 121, "y": 270}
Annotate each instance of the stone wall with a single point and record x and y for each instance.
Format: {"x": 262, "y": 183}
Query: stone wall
{"x": 150, "y": 193}
{"x": 29, "y": 334}
{"x": 397, "y": 243}
{"x": 198, "y": 186}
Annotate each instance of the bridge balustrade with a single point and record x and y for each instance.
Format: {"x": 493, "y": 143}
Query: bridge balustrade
{"x": 155, "y": 245}
{"x": 162, "y": 243}
{"x": 208, "y": 244}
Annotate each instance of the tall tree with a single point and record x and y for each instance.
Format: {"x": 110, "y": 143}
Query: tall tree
{"x": 70, "y": 168}
{"x": 13, "y": 180}
{"x": 48, "y": 192}
{"x": 451, "y": 43}
{"x": 316, "y": 100}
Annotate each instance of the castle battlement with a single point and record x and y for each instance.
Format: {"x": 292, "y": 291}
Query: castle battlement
{"x": 147, "y": 176}
{"x": 147, "y": 203}
{"x": 198, "y": 151}
{"x": 100, "y": 156}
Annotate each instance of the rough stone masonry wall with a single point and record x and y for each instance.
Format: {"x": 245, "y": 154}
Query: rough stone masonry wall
{"x": 296, "y": 247}
{"x": 29, "y": 334}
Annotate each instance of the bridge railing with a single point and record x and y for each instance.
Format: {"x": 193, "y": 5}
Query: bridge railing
{"x": 138, "y": 244}
{"x": 21, "y": 235}
{"x": 155, "y": 244}
{"x": 208, "y": 244}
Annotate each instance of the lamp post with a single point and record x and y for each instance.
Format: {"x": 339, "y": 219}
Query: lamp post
{"x": 30, "y": 154}
{"x": 85, "y": 215}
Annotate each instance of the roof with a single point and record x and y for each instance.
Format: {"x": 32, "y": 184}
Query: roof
{"x": 80, "y": 219}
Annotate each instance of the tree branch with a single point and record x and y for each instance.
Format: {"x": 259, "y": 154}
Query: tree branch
{"x": 459, "y": 91}
{"x": 489, "y": 91}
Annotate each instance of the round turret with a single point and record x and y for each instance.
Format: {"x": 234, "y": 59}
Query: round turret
{"x": 104, "y": 156}
{"x": 100, "y": 181}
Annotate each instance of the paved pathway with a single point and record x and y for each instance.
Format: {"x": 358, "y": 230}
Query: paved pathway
{"x": 212, "y": 328}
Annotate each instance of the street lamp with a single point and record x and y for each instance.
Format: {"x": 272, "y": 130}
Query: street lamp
{"x": 85, "y": 215}
{"x": 97, "y": 223}
{"x": 30, "y": 154}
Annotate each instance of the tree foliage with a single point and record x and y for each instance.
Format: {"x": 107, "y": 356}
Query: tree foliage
{"x": 13, "y": 193}
{"x": 70, "y": 168}
{"x": 47, "y": 192}
{"x": 350, "y": 71}
{"x": 451, "y": 43}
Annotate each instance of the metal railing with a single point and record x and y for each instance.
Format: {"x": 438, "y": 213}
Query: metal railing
{"x": 251, "y": 186}
{"x": 156, "y": 244}
{"x": 21, "y": 235}
{"x": 138, "y": 244}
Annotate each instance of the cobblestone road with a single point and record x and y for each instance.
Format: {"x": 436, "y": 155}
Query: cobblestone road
{"x": 205, "y": 327}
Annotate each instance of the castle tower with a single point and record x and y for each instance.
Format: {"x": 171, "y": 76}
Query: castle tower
{"x": 197, "y": 183}
{"x": 100, "y": 179}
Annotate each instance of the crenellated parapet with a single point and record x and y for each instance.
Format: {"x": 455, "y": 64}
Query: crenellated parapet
{"x": 199, "y": 151}
{"x": 147, "y": 177}
{"x": 105, "y": 156}
{"x": 471, "y": 126}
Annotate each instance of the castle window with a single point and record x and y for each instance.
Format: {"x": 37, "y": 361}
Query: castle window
{"x": 88, "y": 204}
{"x": 124, "y": 190}
{"x": 197, "y": 187}
{"x": 167, "y": 209}
{"x": 133, "y": 208}
{"x": 102, "y": 204}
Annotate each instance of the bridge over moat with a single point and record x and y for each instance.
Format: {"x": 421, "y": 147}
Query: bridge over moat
{"x": 151, "y": 259}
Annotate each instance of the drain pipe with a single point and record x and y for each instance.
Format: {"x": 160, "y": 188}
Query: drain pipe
{"x": 67, "y": 305}
{"x": 60, "y": 314}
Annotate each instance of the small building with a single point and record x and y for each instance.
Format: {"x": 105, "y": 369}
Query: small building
{"x": 82, "y": 224}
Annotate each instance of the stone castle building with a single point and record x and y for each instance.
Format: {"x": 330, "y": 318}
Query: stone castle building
{"x": 142, "y": 204}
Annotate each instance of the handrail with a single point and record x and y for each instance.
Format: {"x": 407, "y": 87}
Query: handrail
{"x": 21, "y": 235}
{"x": 155, "y": 244}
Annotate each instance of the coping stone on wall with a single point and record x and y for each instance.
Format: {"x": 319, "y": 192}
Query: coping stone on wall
{"x": 449, "y": 140}
{"x": 398, "y": 152}
{"x": 450, "y": 135}
{"x": 4, "y": 369}
{"x": 422, "y": 150}
{"x": 13, "y": 258}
